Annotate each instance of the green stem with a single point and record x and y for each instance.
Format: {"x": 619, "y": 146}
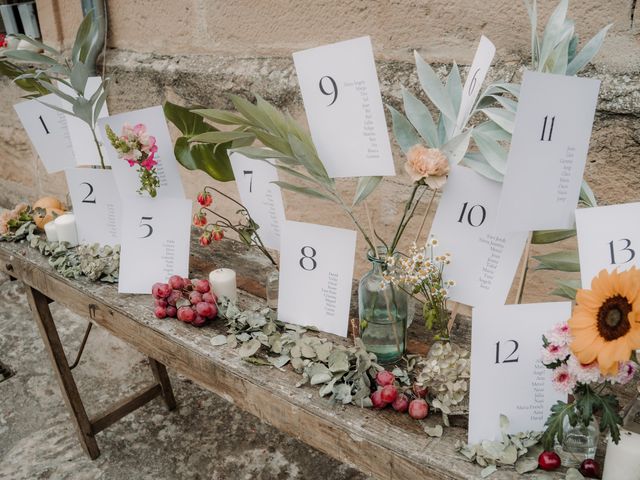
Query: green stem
{"x": 95, "y": 139}
{"x": 402, "y": 225}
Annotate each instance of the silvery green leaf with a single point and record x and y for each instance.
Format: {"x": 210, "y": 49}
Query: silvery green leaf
{"x": 433, "y": 88}
{"x": 421, "y": 119}
{"x": 565, "y": 261}
{"x": 296, "y": 351}
{"x": 526, "y": 464}
{"x": 309, "y": 159}
{"x": 456, "y": 148}
{"x": 243, "y": 337}
{"x": 220, "y": 137}
{"x": 507, "y": 103}
{"x": 256, "y": 360}
{"x": 319, "y": 378}
{"x": 342, "y": 393}
{"x": 559, "y": 58}
{"x": 304, "y": 380}
{"x": 551, "y": 236}
{"x": 338, "y": 361}
{"x": 280, "y": 361}
{"x": 574, "y": 474}
{"x": 255, "y": 320}
{"x": 553, "y": 32}
{"x": 29, "y": 56}
{"x": 219, "y": 340}
{"x": 323, "y": 351}
{"x": 492, "y": 450}
{"x": 79, "y": 76}
{"x": 588, "y": 52}
{"x": 490, "y": 469}
{"x": 435, "y": 431}
{"x": 304, "y": 190}
{"x": 502, "y": 117}
{"x": 566, "y": 289}
{"x": 504, "y": 423}
{"x": 249, "y": 348}
{"x": 326, "y": 389}
{"x": 586, "y": 195}
{"x": 509, "y": 455}
{"x": 494, "y": 154}
{"x": 532, "y": 10}
{"x": 404, "y": 133}
{"x": 454, "y": 88}
{"x": 307, "y": 351}
{"x": 297, "y": 363}
{"x": 365, "y": 402}
{"x": 365, "y": 187}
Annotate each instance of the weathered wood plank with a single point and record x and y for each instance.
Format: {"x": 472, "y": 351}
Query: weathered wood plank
{"x": 162, "y": 377}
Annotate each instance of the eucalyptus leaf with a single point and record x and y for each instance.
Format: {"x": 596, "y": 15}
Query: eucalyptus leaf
{"x": 435, "y": 431}
{"x": 304, "y": 190}
{"x": 565, "y": 261}
{"x": 220, "y": 116}
{"x": 403, "y": 131}
{"x": 567, "y": 288}
{"x": 219, "y": 340}
{"x": 553, "y": 32}
{"x": 541, "y": 237}
{"x": 79, "y": 76}
{"x": 488, "y": 470}
{"x": 220, "y": 137}
{"x": 249, "y": 348}
{"x": 526, "y": 464}
{"x": 29, "y": 56}
{"x": 365, "y": 187}
{"x": 36, "y": 43}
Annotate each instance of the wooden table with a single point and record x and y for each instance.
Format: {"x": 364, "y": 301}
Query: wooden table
{"x": 381, "y": 443}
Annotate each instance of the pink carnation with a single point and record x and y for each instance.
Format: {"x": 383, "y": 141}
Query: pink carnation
{"x": 563, "y": 381}
{"x": 584, "y": 373}
{"x": 554, "y": 352}
{"x": 626, "y": 372}
{"x": 560, "y": 334}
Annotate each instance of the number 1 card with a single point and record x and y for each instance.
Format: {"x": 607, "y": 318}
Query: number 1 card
{"x": 608, "y": 238}
{"x": 507, "y": 376}
{"x": 341, "y": 95}
{"x": 316, "y": 271}
{"x": 548, "y": 152}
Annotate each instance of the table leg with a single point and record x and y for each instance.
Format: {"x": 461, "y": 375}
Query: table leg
{"x": 39, "y": 304}
{"x": 162, "y": 377}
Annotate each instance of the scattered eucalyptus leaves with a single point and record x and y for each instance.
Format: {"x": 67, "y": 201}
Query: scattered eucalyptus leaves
{"x": 97, "y": 263}
{"x": 446, "y": 372}
{"x": 520, "y": 451}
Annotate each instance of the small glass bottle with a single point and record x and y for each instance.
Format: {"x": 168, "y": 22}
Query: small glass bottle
{"x": 579, "y": 442}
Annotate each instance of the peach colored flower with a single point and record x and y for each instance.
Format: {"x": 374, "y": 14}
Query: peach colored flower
{"x": 429, "y": 164}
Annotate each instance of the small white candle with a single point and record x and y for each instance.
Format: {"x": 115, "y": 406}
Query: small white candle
{"x": 50, "y": 231}
{"x": 223, "y": 283}
{"x": 66, "y": 229}
{"x": 622, "y": 460}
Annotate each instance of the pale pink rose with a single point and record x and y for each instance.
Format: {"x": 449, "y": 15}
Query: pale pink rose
{"x": 584, "y": 373}
{"x": 563, "y": 381}
{"x": 553, "y": 353}
{"x": 429, "y": 164}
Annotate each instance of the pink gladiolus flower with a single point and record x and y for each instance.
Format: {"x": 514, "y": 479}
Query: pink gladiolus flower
{"x": 151, "y": 140}
{"x": 131, "y": 162}
{"x": 149, "y": 163}
{"x": 153, "y": 149}
{"x": 139, "y": 129}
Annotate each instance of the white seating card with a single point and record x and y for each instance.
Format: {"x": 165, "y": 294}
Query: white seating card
{"x": 316, "y": 271}
{"x": 608, "y": 238}
{"x": 96, "y": 205}
{"x": 548, "y": 152}
{"x": 507, "y": 376}
{"x": 155, "y": 242}
{"x": 341, "y": 95}
{"x": 483, "y": 261}
{"x": 127, "y": 178}
{"x": 472, "y": 85}
{"x": 261, "y": 197}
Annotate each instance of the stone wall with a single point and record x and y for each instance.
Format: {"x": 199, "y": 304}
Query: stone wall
{"x": 196, "y": 51}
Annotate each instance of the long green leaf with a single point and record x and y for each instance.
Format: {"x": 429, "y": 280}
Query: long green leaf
{"x": 55, "y": 90}
{"x": 82, "y": 36}
{"x": 553, "y": 32}
{"x": 586, "y": 195}
{"x": 542, "y": 237}
{"x": 479, "y": 164}
{"x": 304, "y": 191}
{"x": 503, "y": 118}
{"x": 36, "y": 43}
{"x": 433, "y": 88}
{"x": 565, "y": 261}
{"x": 420, "y": 117}
{"x": 220, "y": 137}
{"x": 532, "y": 10}
{"x": 309, "y": 160}
{"x": 454, "y": 87}
{"x": 493, "y": 131}
{"x": 567, "y": 289}
{"x": 457, "y": 147}
{"x": 260, "y": 153}
{"x": 491, "y": 150}
{"x": 295, "y": 173}
{"x": 404, "y": 133}
{"x": 588, "y": 52}
{"x": 273, "y": 142}
{"x": 221, "y": 116}
{"x": 79, "y": 76}
{"x": 365, "y": 187}
{"x": 29, "y": 56}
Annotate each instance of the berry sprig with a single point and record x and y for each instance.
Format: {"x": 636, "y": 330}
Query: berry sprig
{"x": 190, "y": 301}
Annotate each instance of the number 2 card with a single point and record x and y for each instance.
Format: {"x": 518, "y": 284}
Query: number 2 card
{"x": 155, "y": 242}
{"x": 341, "y": 95}
{"x": 507, "y": 376}
{"x": 608, "y": 238}
{"x": 316, "y": 273}
{"x": 96, "y": 205}
{"x": 548, "y": 152}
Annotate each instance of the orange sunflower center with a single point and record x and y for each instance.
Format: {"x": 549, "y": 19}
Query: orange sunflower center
{"x": 613, "y": 318}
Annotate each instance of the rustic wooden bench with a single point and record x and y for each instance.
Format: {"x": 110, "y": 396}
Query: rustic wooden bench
{"x": 381, "y": 443}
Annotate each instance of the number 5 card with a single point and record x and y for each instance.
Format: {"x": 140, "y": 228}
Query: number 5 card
{"x": 155, "y": 242}
{"x": 507, "y": 376}
{"x": 548, "y": 152}
{"x": 341, "y": 95}
{"x": 316, "y": 271}
{"x": 609, "y": 238}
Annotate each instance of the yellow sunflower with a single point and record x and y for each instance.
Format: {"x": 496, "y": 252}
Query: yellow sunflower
{"x": 606, "y": 320}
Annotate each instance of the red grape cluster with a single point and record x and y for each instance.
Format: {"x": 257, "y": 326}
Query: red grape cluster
{"x": 190, "y": 301}
{"x": 387, "y": 393}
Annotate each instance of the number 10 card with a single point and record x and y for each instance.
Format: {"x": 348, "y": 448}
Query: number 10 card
{"x": 341, "y": 95}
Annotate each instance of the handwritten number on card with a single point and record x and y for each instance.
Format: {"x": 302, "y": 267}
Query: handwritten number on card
{"x": 149, "y": 227}
{"x": 509, "y": 358}
{"x": 474, "y": 81}
{"x": 470, "y": 215}
{"x": 250, "y": 173}
{"x": 627, "y": 248}
{"x": 334, "y": 88}
{"x": 87, "y": 199}
{"x": 44, "y": 125}
{"x": 308, "y": 261}
{"x": 544, "y": 128}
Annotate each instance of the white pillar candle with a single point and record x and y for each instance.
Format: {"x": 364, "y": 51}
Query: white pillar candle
{"x": 622, "y": 461}
{"x": 50, "y": 231}
{"x": 66, "y": 229}
{"x": 223, "y": 283}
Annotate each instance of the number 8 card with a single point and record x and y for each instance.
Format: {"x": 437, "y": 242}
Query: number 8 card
{"x": 316, "y": 273}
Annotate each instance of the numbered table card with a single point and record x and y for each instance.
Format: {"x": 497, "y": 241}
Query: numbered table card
{"x": 127, "y": 177}
{"x": 62, "y": 141}
{"x": 155, "y": 242}
{"x": 608, "y": 238}
{"x": 316, "y": 271}
{"x": 548, "y": 152}
{"x": 483, "y": 261}
{"x": 341, "y": 95}
{"x": 262, "y": 198}
{"x": 96, "y": 205}
{"x": 477, "y": 73}
{"x": 507, "y": 376}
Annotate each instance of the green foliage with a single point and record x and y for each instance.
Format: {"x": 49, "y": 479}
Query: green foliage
{"x": 567, "y": 289}
{"x": 564, "y": 261}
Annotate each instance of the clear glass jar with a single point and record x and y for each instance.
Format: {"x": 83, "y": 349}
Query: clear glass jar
{"x": 579, "y": 442}
{"x": 272, "y": 287}
{"x": 383, "y": 311}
